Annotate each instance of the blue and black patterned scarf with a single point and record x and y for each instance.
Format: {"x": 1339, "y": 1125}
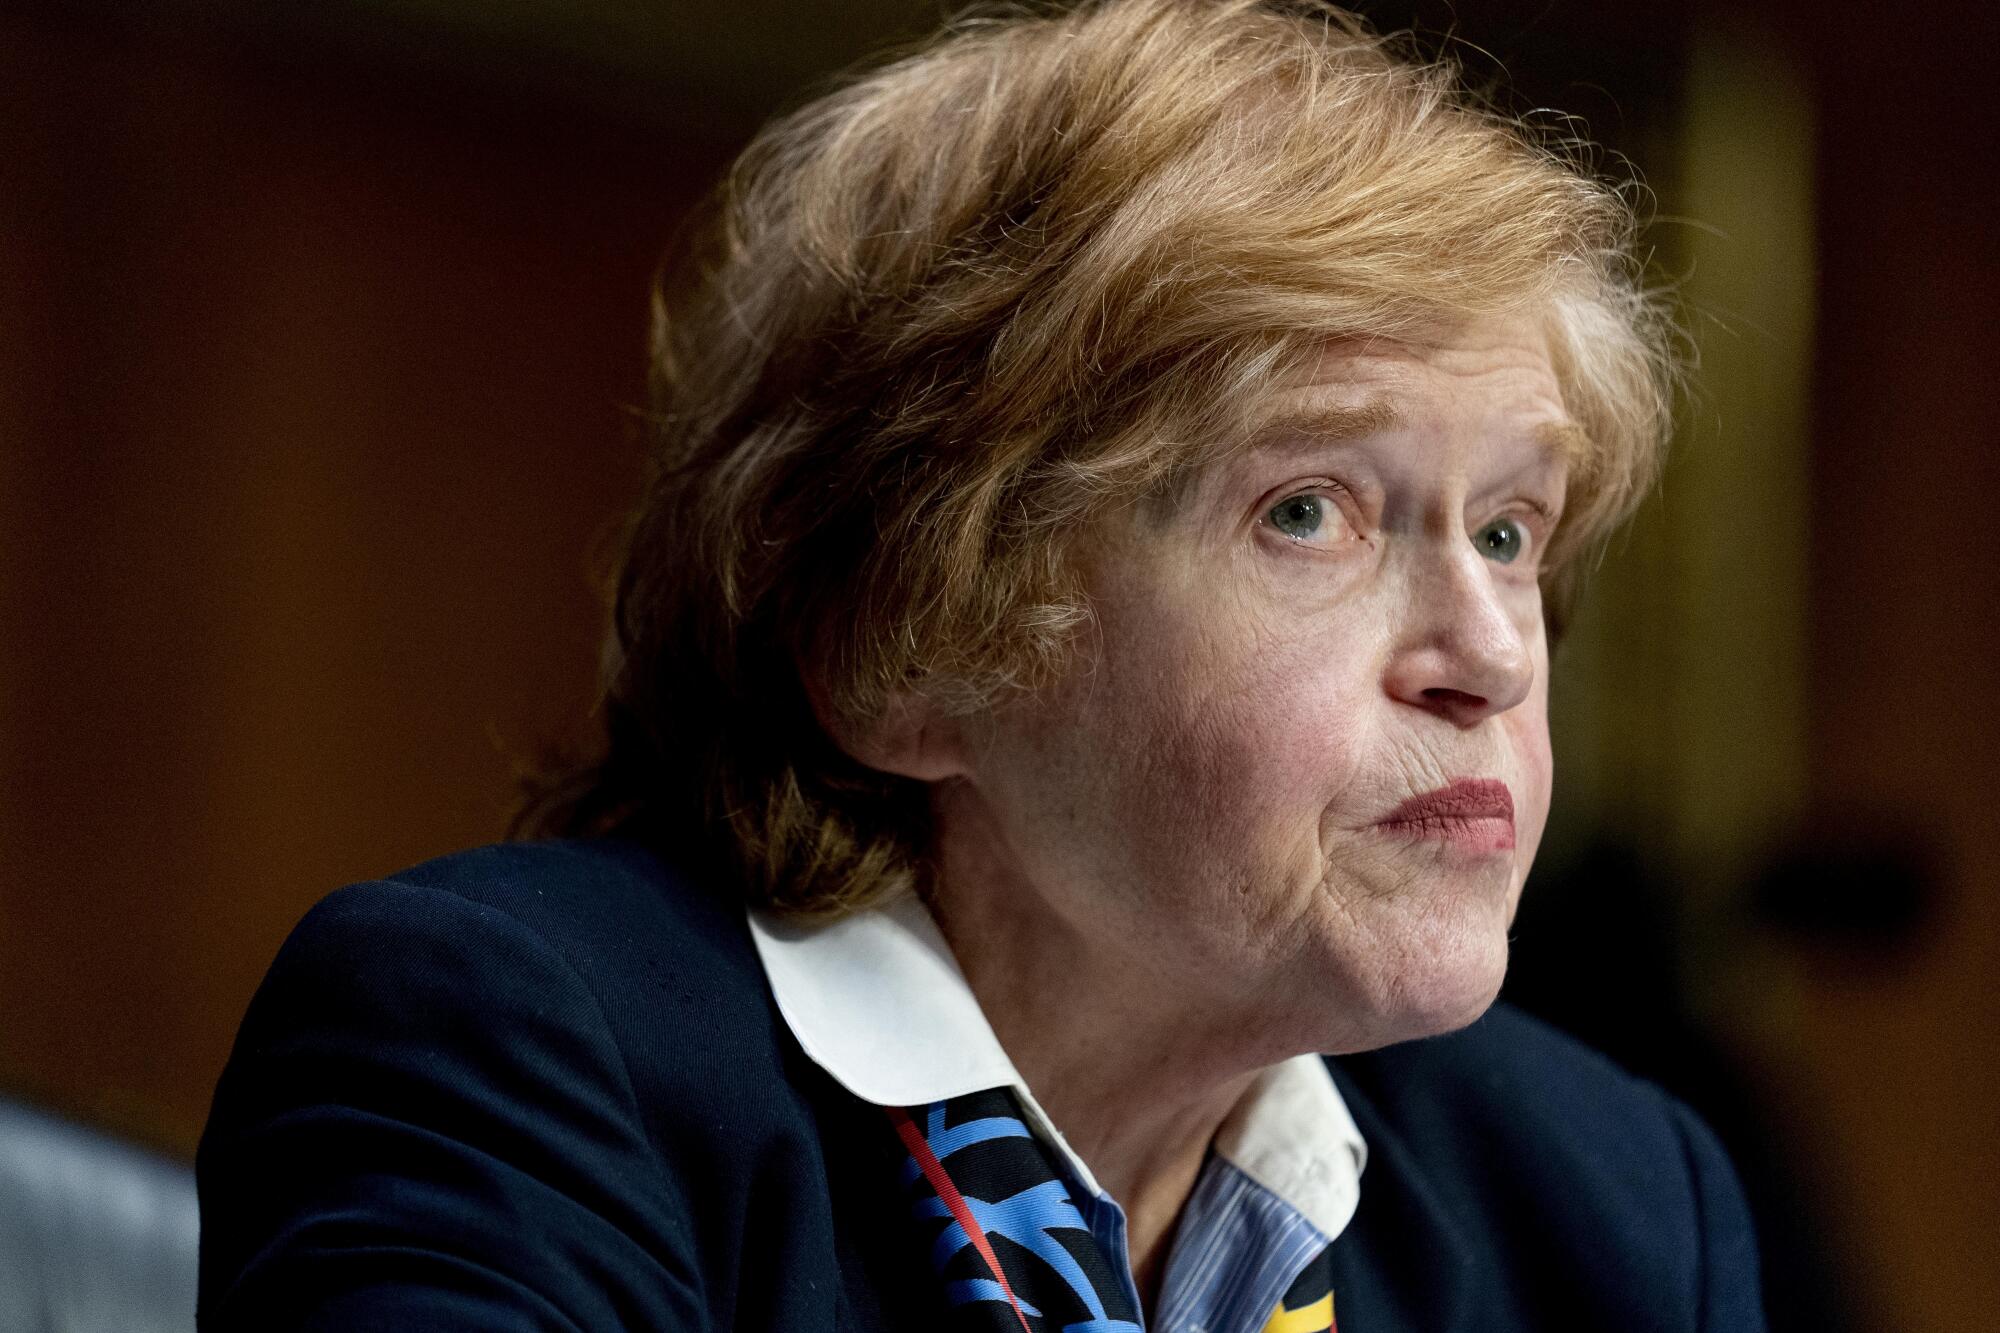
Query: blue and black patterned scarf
{"x": 1011, "y": 1247}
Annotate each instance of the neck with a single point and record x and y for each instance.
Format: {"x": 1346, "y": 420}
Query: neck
{"x": 1137, "y": 1077}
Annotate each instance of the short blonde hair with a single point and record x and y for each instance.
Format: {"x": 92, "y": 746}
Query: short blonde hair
{"x": 948, "y": 314}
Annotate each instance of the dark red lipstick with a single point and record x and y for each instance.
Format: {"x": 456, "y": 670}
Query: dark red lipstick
{"x": 1474, "y": 813}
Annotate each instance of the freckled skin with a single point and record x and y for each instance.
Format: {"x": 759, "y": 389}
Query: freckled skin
{"x": 1192, "y": 808}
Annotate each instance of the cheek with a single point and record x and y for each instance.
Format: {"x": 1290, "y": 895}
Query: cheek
{"x": 1238, "y": 736}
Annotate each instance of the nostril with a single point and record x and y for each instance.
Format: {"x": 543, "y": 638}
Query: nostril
{"x": 1454, "y": 698}
{"x": 1460, "y": 708}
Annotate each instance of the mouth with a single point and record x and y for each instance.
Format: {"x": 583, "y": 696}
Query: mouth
{"x": 1474, "y": 814}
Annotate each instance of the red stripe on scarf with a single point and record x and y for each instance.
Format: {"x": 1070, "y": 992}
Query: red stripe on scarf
{"x": 954, "y": 1202}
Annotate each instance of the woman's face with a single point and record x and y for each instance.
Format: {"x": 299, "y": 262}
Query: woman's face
{"x": 1341, "y": 619}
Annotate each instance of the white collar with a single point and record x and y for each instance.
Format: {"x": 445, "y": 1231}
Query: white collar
{"x": 878, "y": 1001}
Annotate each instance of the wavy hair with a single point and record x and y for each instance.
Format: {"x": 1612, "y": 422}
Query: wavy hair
{"x": 938, "y": 320}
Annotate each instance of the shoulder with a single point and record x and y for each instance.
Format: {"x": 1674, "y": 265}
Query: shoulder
{"x": 1511, "y": 1076}
{"x": 1535, "y": 1106}
{"x": 535, "y": 1075}
{"x": 657, "y": 959}
{"x": 1538, "y": 1152}
{"x": 580, "y": 895}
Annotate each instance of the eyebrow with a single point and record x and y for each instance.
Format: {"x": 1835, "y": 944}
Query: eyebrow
{"x": 1565, "y": 440}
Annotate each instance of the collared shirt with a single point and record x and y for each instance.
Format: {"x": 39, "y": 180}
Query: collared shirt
{"x": 878, "y": 1001}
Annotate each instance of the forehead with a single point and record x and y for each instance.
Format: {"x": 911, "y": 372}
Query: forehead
{"x": 1311, "y": 422}
{"x": 1488, "y": 382}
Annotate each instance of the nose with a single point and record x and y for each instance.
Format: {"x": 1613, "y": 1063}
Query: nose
{"x": 1463, "y": 653}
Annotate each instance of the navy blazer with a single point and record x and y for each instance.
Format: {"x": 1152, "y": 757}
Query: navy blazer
{"x": 544, "y": 1086}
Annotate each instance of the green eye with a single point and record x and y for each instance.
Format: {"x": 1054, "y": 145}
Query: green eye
{"x": 1501, "y": 540}
{"x": 1299, "y": 516}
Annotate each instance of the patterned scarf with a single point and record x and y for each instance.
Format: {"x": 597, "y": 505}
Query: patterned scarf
{"x": 1013, "y": 1251}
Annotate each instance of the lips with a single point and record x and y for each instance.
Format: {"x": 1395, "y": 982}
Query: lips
{"x": 1477, "y": 813}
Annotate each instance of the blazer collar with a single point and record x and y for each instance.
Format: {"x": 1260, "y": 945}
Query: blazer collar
{"x": 878, "y": 1001}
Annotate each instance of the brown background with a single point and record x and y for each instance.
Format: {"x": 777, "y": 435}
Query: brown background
{"x": 319, "y": 332}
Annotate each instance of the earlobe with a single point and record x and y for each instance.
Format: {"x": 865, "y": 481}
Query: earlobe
{"x": 918, "y": 742}
{"x": 910, "y": 737}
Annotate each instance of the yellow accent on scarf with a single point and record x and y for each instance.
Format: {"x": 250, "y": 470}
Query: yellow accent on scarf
{"x": 1314, "y": 1318}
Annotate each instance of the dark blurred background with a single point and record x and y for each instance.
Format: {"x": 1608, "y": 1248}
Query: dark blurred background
{"x": 320, "y": 330}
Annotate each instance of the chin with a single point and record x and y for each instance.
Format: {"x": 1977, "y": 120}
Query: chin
{"x": 1440, "y": 984}
{"x": 1453, "y": 1004}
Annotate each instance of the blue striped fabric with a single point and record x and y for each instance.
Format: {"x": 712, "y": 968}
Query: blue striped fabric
{"x": 1238, "y": 1249}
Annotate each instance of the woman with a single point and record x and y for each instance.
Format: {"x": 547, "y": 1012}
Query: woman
{"x": 1082, "y": 658}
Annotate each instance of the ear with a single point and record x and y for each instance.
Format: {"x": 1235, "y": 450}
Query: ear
{"x": 911, "y": 738}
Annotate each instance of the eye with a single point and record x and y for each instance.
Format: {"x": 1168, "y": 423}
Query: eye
{"x": 1306, "y": 517}
{"x": 1502, "y": 540}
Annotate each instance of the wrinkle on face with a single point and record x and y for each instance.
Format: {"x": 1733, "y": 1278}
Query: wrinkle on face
{"x": 1196, "y": 802}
